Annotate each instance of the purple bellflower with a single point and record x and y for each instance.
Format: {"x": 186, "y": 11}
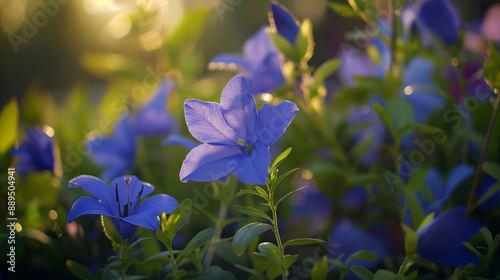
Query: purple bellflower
{"x": 121, "y": 202}
{"x": 153, "y": 118}
{"x": 36, "y": 153}
{"x": 284, "y": 23}
{"x": 115, "y": 153}
{"x": 441, "y": 240}
{"x": 261, "y": 63}
{"x": 441, "y": 18}
{"x": 235, "y": 136}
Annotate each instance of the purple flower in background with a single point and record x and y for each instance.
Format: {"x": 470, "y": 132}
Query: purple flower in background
{"x": 493, "y": 201}
{"x": 312, "y": 206}
{"x": 261, "y": 63}
{"x": 347, "y": 238}
{"x": 441, "y": 240}
{"x": 153, "y": 118}
{"x": 36, "y": 153}
{"x": 116, "y": 152}
{"x": 441, "y": 18}
{"x": 491, "y": 22}
{"x": 235, "y": 137}
{"x": 474, "y": 78}
{"x": 121, "y": 202}
{"x": 442, "y": 191}
{"x": 176, "y": 139}
{"x": 284, "y": 23}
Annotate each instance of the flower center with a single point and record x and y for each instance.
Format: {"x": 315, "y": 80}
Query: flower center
{"x": 244, "y": 146}
{"x": 127, "y": 207}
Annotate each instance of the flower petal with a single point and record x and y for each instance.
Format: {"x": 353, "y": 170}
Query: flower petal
{"x": 129, "y": 195}
{"x": 176, "y": 139}
{"x": 440, "y": 17}
{"x": 97, "y": 188}
{"x": 258, "y": 47}
{"x": 153, "y": 118}
{"x": 253, "y": 168}
{"x": 268, "y": 75}
{"x": 207, "y": 124}
{"x": 146, "y": 219}
{"x": 125, "y": 229}
{"x": 272, "y": 122}
{"x": 457, "y": 176}
{"x": 434, "y": 182}
{"x": 208, "y": 162}
{"x": 238, "y": 107}
{"x": 283, "y": 22}
{"x": 158, "y": 204}
{"x": 87, "y": 205}
{"x": 228, "y": 61}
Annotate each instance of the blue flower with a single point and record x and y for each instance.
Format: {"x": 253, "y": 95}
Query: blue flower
{"x": 115, "y": 153}
{"x": 153, "y": 118}
{"x": 36, "y": 153}
{"x": 235, "y": 137}
{"x": 440, "y": 18}
{"x": 443, "y": 191}
{"x": 176, "y": 139}
{"x": 261, "y": 63}
{"x": 441, "y": 240}
{"x": 121, "y": 202}
{"x": 494, "y": 199}
{"x": 284, "y": 23}
{"x": 347, "y": 238}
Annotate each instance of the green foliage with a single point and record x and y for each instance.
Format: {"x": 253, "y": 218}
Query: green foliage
{"x": 247, "y": 234}
{"x": 8, "y": 121}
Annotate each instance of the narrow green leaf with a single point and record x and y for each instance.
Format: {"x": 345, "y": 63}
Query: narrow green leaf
{"x": 262, "y": 192}
{"x": 362, "y": 273}
{"x": 253, "y": 272}
{"x": 283, "y": 176}
{"x": 486, "y": 235}
{"x": 304, "y": 42}
{"x": 198, "y": 240}
{"x": 271, "y": 252}
{"x": 320, "y": 269}
{"x": 79, "y": 270}
{"x": 290, "y": 193}
{"x": 179, "y": 217}
{"x": 252, "y": 192}
{"x": 251, "y": 211}
{"x": 110, "y": 230}
{"x": 215, "y": 272}
{"x": 426, "y": 220}
{"x": 491, "y": 191}
{"x": 411, "y": 240}
{"x": 387, "y": 275}
{"x": 385, "y": 117}
{"x": 416, "y": 209}
{"x": 280, "y": 158}
{"x": 283, "y": 46}
{"x": 343, "y": 10}
{"x": 154, "y": 261}
{"x": 401, "y": 112}
{"x": 363, "y": 255}
{"x": 326, "y": 69}
{"x": 246, "y": 234}
{"x": 303, "y": 241}
{"x": 164, "y": 238}
{"x": 492, "y": 169}
{"x": 8, "y": 122}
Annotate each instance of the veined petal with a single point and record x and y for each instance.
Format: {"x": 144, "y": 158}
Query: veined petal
{"x": 229, "y": 62}
{"x": 97, "y": 188}
{"x": 145, "y": 219}
{"x": 253, "y": 168}
{"x": 207, "y": 124}
{"x": 283, "y": 22}
{"x": 176, "y": 139}
{"x": 87, "y": 205}
{"x": 158, "y": 204}
{"x": 208, "y": 162}
{"x": 153, "y": 118}
{"x": 272, "y": 122}
{"x": 238, "y": 107}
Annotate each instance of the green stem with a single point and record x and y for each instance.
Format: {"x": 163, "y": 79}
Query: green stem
{"x": 173, "y": 262}
{"x": 404, "y": 266}
{"x": 121, "y": 255}
{"x": 475, "y": 183}
{"x": 494, "y": 248}
{"x": 278, "y": 239}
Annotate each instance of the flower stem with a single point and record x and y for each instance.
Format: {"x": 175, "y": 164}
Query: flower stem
{"x": 475, "y": 183}
{"x": 278, "y": 240}
{"x": 404, "y": 266}
{"x": 173, "y": 262}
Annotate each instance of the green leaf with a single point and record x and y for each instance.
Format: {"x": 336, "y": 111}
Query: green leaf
{"x": 281, "y": 158}
{"x": 251, "y": 211}
{"x": 363, "y": 255}
{"x": 164, "y": 238}
{"x": 271, "y": 252}
{"x": 154, "y": 261}
{"x": 303, "y": 241}
{"x": 417, "y": 179}
{"x": 411, "y": 240}
{"x": 387, "y": 275}
{"x": 401, "y": 112}
{"x": 215, "y": 272}
{"x": 492, "y": 169}
{"x": 385, "y": 117}
{"x": 344, "y": 10}
{"x": 320, "y": 269}
{"x": 491, "y": 68}
{"x": 326, "y": 69}
{"x": 179, "y": 217}
{"x": 288, "y": 260}
{"x": 283, "y": 46}
{"x": 262, "y": 192}
{"x": 246, "y": 234}
{"x": 191, "y": 25}
{"x": 290, "y": 193}
{"x": 8, "y": 122}
{"x": 362, "y": 273}
{"x": 177, "y": 275}
{"x": 253, "y": 272}
{"x": 198, "y": 240}
{"x": 426, "y": 220}
{"x": 416, "y": 210}
{"x": 79, "y": 270}
{"x": 283, "y": 176}
{"x": 487, "y": 237}
{"x": 110, "y": 230}
{"x": 491, "y": 191}
{"x": 304, "y": 42}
